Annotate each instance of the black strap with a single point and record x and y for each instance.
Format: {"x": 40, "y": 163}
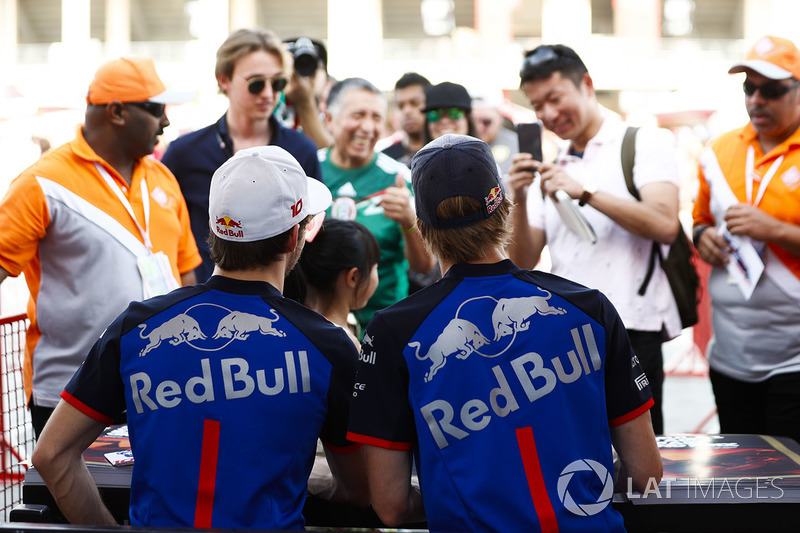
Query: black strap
{"x": 628, "y": 154}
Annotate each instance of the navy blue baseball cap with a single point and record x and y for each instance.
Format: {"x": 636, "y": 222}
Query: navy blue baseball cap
{"x": 455, "y": 165}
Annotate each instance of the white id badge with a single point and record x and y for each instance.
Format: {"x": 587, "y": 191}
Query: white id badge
{"x": 156, "y": 274}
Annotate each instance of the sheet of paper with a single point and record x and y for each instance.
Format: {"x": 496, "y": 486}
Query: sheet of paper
{"x": 572, "y": 217}
{"x": 745, "y": 265}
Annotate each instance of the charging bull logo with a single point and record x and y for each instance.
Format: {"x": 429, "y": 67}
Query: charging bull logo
{"x": 239, "y": 326}
{"x": 494, "y": 199}
{"x": 228, "y": 222}
{"x": 513, "y": 314}
{"x": 460, "y": 337}
{"x": 181, "y": 328}
{"x": 228, "y": 227}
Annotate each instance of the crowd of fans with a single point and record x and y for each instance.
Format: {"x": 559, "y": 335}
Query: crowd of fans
{"x": 380, "y": 300}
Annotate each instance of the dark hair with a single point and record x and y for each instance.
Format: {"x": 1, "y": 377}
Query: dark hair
{"x": 541, "y": 62}
{"x": 234, "y": 255}
{"x": 339, "y": 245}
{"x": 411, "y": 78}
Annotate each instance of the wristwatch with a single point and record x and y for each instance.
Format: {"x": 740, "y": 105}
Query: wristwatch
{"x": 588, "y": 192}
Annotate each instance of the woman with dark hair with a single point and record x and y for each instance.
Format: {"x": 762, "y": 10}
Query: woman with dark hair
{"x": 448, "y": 109}
{"x": 337, "y": 272}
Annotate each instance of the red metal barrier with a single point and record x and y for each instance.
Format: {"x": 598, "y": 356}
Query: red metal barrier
{"x": 16, "y": 431}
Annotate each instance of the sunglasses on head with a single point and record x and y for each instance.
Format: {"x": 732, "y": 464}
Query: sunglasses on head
{"x": 453, "y": 113}
{"x": 256, "y": 85}
{"x": 769, "y": 90}
{"x": 542, "y": 55}
{"x": 155, "y": 109}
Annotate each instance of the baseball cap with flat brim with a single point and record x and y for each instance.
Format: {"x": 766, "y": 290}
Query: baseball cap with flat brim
{"x": 450, "y": 166}
{"x": 772, "y": 57}
{"x": 132, "y": 79}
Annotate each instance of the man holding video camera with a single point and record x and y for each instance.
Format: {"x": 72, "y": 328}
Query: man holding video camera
{"x": 589, "y": 170}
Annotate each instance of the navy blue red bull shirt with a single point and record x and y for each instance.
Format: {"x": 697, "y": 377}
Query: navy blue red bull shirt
{"x": 227, "y": 385}
{"x": 505, "y": 383}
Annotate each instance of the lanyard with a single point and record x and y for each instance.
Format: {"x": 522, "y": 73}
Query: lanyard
{"x": 127, "y": 205}
{"x": 750, "y": 172}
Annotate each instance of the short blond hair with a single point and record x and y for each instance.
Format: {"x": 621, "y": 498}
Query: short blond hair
{"x": 469, "y": 243}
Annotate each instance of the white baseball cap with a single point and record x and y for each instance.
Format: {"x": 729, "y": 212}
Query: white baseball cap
{"x": 262, "y": 192}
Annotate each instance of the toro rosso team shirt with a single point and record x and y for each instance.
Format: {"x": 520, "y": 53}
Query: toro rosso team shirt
{"x": 228, "y": 385}
{"x": 505, "y": 382}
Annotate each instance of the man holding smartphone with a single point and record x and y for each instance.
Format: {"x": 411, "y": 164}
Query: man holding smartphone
{"x": 589, "y": 169}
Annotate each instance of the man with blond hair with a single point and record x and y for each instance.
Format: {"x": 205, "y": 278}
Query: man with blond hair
{"x": 529, "y": 368}
{"x": 252, "y": 73}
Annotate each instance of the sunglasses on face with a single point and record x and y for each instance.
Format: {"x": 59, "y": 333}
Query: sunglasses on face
{"x": 453, "y": 113}
{"x": 157, "y": 110}
{"x": 256, "y": 85}
{"x": 770, "y": 90}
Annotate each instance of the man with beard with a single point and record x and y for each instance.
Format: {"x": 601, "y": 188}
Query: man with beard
{"x": 228, "y": 385}
{"x": 94, "y": 225}
{"x": 372, "y": 188}
{"x": 749, "y": 199}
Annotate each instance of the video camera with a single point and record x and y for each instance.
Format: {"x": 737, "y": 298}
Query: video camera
{"x": 305, "y": 56}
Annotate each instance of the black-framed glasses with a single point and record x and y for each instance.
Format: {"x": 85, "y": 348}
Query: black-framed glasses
{"x": 155, "y": 109}
{"x": 770, "y": 90}
{"x": 453, "y": 113}
{"x": 256, "y": 84}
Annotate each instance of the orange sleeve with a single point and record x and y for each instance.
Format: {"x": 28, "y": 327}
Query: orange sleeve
{"x": 701, "y": 212}
{"x": 188, "y": 256}
{"x": 24, "y": 219}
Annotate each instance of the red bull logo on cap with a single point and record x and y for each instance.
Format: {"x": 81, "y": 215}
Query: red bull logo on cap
{"x": 494, "y": 199}
{"x": 226, "y": 226}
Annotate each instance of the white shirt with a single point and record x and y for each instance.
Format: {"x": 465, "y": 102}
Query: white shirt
{"x": 617, "y": 263}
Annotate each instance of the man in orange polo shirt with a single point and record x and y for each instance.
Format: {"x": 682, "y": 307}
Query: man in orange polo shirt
{"x": 747, "y": 214}
{"x": 94, "y": 225}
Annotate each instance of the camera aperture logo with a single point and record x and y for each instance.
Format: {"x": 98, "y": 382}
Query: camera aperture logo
{"x": 585, "y": 508}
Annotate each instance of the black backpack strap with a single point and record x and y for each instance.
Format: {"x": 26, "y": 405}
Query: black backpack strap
{"x": 628, "y": 154}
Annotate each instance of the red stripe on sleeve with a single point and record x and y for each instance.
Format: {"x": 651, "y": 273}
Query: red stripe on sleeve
{"x": 627, "y": 417}
{"x": 350, "y": 448}
{"x": 533, "y": 471}
{"x": 85, "y": 409}
{"x": 380, "y": 443}
{"x": 208, "y": 474}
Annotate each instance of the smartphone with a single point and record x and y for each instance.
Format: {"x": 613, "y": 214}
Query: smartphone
{"x": 530, "y": 139}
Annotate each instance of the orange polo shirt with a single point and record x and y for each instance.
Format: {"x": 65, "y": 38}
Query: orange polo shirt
{"x": 66, "y": 229}
{"x": 781, "y": 198}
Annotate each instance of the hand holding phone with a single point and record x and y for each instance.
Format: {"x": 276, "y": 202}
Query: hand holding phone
{"x": 530, "y": 139}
